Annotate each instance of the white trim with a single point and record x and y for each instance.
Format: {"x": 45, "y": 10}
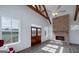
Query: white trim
{"x": 12, "y": 43}
{"x": 35, "y": 25}
{"x": 0, "y": 29}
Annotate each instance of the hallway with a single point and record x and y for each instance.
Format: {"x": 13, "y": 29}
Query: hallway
{"x": 52, "y": 47}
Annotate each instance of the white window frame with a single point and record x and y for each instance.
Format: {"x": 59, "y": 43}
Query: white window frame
{"x": 11, "y": 43}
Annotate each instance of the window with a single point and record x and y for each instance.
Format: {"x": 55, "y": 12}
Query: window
{"x": 39, "y": 31}
{"x": 33, "y": 31}
{"x": 10, "y": 29}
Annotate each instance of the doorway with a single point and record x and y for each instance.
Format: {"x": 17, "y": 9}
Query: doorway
{"x": 35, "y": 35}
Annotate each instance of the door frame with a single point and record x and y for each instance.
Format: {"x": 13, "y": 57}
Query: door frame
{"x": 36, "y": 32}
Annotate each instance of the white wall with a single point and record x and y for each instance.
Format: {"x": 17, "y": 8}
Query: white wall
{"x": 74, "y": 31}
{"x": 73, "y": 25}
{"x": 27, "y": 17}
{"x": 51, "y": 35}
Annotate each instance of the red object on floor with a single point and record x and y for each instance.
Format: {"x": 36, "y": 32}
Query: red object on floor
{"x": 11, "y": 50}
{"x": 1, "y": 43}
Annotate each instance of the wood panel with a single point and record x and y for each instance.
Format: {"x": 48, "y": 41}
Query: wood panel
{"x": 61, "y": 27}
{"x": 61, "y": 23}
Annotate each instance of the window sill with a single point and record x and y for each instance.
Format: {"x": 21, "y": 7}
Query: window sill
{"x": 11, "y": 44}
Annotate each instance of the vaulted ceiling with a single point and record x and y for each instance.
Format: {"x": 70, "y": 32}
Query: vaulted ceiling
{"x": 40, "y": 9}
{"x": 60, "y": 9}
{"x": 69, "y": 9}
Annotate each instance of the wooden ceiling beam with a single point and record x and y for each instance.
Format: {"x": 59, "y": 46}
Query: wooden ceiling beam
{"x": 36, "y": 7}
{"x": 39, "y": 11}
{"x": 47, "y": 13}
{"x": 40, "y": 7}
{"x": 76, "y": 12}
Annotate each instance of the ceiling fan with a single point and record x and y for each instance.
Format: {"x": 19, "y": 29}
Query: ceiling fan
{"x": 57, "y": 11}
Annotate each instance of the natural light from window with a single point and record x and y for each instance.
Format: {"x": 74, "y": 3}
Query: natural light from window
{"x": 10, "y": 29}
{"x": 74, "y": 27}
{"x": 52, "y": 48}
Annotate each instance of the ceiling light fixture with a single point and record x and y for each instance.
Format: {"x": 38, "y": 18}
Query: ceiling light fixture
{"x": 55, "y": 14}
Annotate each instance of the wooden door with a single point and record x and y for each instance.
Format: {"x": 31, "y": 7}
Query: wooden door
{"x": 35, "y": 35}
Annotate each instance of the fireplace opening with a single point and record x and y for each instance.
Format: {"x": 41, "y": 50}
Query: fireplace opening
{"x": 60, "y": 38}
